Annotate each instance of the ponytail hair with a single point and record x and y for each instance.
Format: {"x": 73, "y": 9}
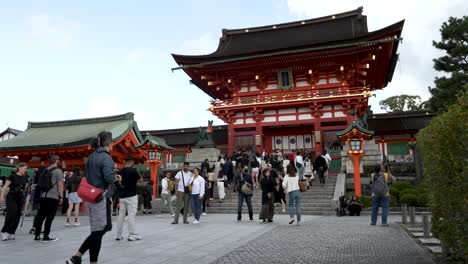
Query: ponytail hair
{"x": 103, "y": 139}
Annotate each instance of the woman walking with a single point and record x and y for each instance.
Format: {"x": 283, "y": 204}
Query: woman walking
{"x": 291, "y": 185}
{"x": 196, "y": 198}
{"x": 99, "y": 173}
{"x": 74, "y": 200}
{"x": 268, "y": 204}
{"x": 14, "y": 200}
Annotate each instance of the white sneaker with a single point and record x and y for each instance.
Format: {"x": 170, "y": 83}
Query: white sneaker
{"x": 134, "y": 237}
{"x": 4, "y": 236}
{"x": 195, "y": 222}
{"x": 203, "y": 214}
{"x": 77, "y": 224}
{"x": 11, "y": 237}
{"x": 118, "y": 238}
{"x": 172, "y": 215}
{"x": 67, "y": 224}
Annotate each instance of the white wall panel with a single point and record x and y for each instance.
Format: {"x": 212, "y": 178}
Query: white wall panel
{"x": 287, "y": 118}
{"x": 305, "y": 117}
{"x": 287, "y": 111}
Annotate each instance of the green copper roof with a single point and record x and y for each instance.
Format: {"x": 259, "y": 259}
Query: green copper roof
{"x": 155, "y": 141}
{"x": 355, "y": 125}
{"x": 70, "y": 133}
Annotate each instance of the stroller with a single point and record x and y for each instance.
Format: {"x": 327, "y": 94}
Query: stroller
{"x": 341, "y": 206}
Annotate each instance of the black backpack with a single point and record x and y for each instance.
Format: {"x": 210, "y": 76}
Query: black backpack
{"x": 44, "y": 184}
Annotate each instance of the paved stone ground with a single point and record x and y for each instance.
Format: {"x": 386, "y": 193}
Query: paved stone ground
{"x": 220, "y": 239}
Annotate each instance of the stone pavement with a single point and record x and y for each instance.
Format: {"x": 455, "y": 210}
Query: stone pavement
{"x": 220, "y": 239}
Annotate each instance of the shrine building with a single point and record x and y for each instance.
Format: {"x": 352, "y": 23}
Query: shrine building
{"x": 295, "y": 85}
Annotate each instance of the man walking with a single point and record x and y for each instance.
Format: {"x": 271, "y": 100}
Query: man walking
{"x": 51, "y": 186}
{"x": 245, "y": 194}
{"x": 182, "y": 193}
{"x": 128, "y": 199}
{"x": 321, "y": 167}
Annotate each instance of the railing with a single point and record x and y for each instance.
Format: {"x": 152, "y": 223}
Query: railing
{"x": 293, "y": 96}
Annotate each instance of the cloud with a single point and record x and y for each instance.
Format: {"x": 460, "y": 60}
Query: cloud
{"x": 414, "y": 72}
{"x": 55, "y": 32}
{"x": 205, "y": 44}
{"x": 136, "y": 56}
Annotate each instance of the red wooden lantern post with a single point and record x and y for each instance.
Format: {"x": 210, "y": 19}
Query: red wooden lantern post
{"x": 153, "y": 148}
{"x": 355, "y": 135}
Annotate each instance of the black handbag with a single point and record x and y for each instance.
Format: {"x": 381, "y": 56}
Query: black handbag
{"x": 186, "y": 188}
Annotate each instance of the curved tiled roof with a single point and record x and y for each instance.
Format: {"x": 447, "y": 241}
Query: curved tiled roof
{"x": 70, "y": 133}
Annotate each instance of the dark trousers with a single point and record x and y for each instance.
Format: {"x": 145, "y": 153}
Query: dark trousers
{"x": 14, "y": 205}
{"x": 47, "y": 210}
{"x": 65, "y": 205}
{"x": 354, "y": 209}
{"x": 240, "y": 201}
{"x": 321, "y": 174}
{"x": 93, "y": 244}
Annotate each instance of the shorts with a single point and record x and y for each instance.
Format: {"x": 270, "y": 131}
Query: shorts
{"x": 73, "y": 198}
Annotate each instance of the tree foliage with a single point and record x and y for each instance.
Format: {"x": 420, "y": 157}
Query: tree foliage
{"x": 400, "y": 103}
{"x": 444, "y": 148}
{"x": 454, "y": 41}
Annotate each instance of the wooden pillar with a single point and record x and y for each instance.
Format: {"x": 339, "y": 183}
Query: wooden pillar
{"x": 318, "y": 136}
{"x": 357, "y": 176}
{"x": 231, "y": 139}
{"x": 154, "y": 177}
{"x": 259, "y": 137}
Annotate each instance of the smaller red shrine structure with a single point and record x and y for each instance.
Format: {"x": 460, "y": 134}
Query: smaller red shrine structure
{"x": 70, "y": 139}
{"x": 294, "y": 85}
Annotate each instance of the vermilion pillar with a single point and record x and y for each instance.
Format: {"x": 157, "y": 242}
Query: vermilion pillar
{"x": 154, "y": 166}
{"x": 357, "y": 176}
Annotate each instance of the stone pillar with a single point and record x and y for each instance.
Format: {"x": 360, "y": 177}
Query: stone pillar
{"x": 404, "y": 214}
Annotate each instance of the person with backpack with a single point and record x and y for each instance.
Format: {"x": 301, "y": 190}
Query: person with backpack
{"x": 299, "y": 164}
{"x": 99, "y": 174}
{"x": 73, "y": 199}
{"x": 320, "y": 166}
{"x": 14, "y": 200}
{"x": 50, "y": 184}
{"x": 166, "y": 192}
{"x": 128, "y": 199}
{"x": 380, "y": 194}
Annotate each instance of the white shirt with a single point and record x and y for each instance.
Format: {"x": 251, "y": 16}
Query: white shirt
{"x": 198, "y": 186}
{"x": 187, "y": 176}
{"x": 327, "y": 158}
{"x": 300, "y": 160}
{"x": 164, "y": 184}
{"x": 290, "y": 183}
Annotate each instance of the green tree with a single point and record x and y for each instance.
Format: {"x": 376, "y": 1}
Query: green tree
{"x": 444, "y": 145}
{"x": 400, "y": 103}
{"x": 454, "y": 41}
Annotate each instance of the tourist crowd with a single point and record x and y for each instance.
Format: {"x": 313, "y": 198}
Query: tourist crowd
{"x": 105, "y": 188}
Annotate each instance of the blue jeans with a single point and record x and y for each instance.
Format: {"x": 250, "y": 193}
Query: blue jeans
{"x": 295, "y": 196}
{"x": 196, "y": 205}
{"x": 376, "y": 202}
{"x": 240, "y": 201}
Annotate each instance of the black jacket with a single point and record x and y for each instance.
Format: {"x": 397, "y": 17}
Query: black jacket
{"x": 100, "y": 170}
{"x": 320, "y": 162}
{"x": 268, "y": 185}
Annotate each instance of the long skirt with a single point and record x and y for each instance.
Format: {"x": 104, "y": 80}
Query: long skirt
{"x": 268, "y": 207}
{"x": 221, "y": 191}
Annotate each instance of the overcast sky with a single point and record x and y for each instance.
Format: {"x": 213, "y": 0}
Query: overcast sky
{"x": 61, "y": 60}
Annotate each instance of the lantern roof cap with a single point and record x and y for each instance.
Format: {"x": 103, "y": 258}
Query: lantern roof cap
{"x": 155, "y": 141}
{"x": 358, "y": 127}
